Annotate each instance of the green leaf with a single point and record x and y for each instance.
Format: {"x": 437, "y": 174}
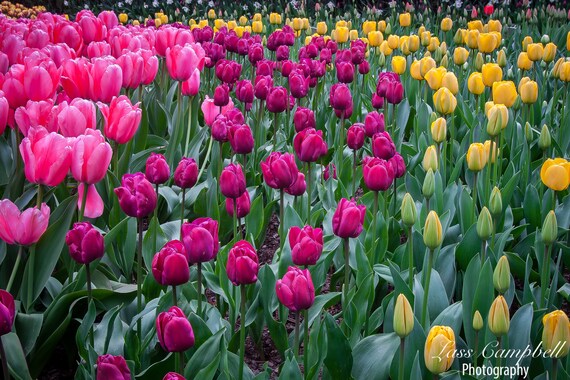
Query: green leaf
{"x": 204, "y": 355}
{"x": 373, "y": 356}
{"x": 339, "y": 356}
{"x": 28, "y": 327}
{"x": 290, "y": 370}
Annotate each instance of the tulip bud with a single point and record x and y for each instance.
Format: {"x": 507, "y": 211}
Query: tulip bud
{"x": 499, "y": 317}
{"x": 479, "y": 61}
{"x": 502, "y": 275}
{"x": 502, "y": 58}
{"x": 439, "y": 349}
{"x": 430, "y": 160}
{"x": 174, "y": 330}
{"x": 484, "y": 224}
{"x": 444, "y": 61}
{"x": 403, "y": 317}
{"x": 433, "y": 236}
{"x": 381, "y": 60}
{"x": 549, "y": 231}
{"x": 243, "y": 264}
{"x": 170, "y": 265}
{"x": 112, "y": 367}
{"x": 544, "y": 140}
{"x": 85, "y": 243}
{"x": 428, "y": 187}
{"x": 408, "y": 210}
{"x": 556, "y": 334}
{"x": 7, "y": 312}
{"x": 477, "y": 321}
{"x": 476, "y": 157}
{"x": 498, "y": 116}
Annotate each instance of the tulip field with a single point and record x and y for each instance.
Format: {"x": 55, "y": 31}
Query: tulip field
{"x": 191, "y": 190}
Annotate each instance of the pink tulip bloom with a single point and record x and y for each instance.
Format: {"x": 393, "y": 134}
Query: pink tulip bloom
{"x": 132, "y": 65}
{"x": 74, "y": 118}
{"x": 41, "y": 78}
{"x": 33, "y": 115}
{"x": 75, "y": 78}
{"x": 4, "y": 112}
{"x": 106, "y": 78}
{"x": 93, "y": 29}
{"x": 68, "y": 33}
{"x": 122, "y": 119}
{"x": 211, "y": 111}
{"x": 109, "y": 19}
{"x": 90, "y": 157}
{"x": 46, "y": 156}
{"x": 191, "y": 86}
{"x": 23, "y": 228}
{"x": 181, "y": 61}
{"x": 150, "y": 66}
{"x": 98, "y": 49}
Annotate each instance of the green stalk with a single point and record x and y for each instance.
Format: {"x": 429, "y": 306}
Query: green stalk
{"x": 208, "y": 152}
{"x": 275, "y": 130}
{"x": 4, "y": 361}
{"x": 189, "y": 131}
{"x": 199, "y": 286}
{"x": 83, "y": 202}
{"x": 401, "y": 368}
{"x": 346, "y": 268}
{"x": 31, "y": 261}
{"x": 309, "y": 193}
{"x": 40, "y": 195}
{"x": 296, "y": 343}
{"x": 374, "y": 221}
{"x": 181, "y": 362}
{"x": 281, "y": 220}
{"x": 544, "y": 277}
{"x": 410, "y": 247}
{"x": 139, "y": 277}
{"x": 156, "y": 217}
{"x": 15, "y": 268}
{"x": 242, "y": 332}
{"x": 89, "y": 300}
{"x": 235, "y": 219}
{"x": 182, "y": 206}
{"x": 175, "y": 296}
{"x": 427, "y": 277}
{"x": 353, "y": 173}
{"x": 483, "y": 251}
{"x": 395, "y": 197}
{"x": 306, "y": 344}
{"x": 554, "y": 368}
{"x": 475, "y": 195}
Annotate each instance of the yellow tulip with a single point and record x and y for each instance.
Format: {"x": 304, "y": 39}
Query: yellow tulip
{"x": 443, "y": 47}
{"x": 504, "y": 92}
{"x": 491, "y": 73}
{"x": 203, "y": 23}
{"x": 449, "y": 81}
{"x": 556, "y": 334}
{"x": 393, "y": 41}
{"x": 434, "y": 77}
{"x": 426, "y": 64}
{"x": 446, "y": 24}
{"x": 499, "y": 317}
{"x": 495, "y": 26}
{"x": 353, "y": 34}
{"x": 297, "y": 24}
{"x": 243, "y": 20}
{"x": 475, "y": 25}
{"x": 239, "y": 31}
{"x": 163, "y": 19}
{"x": 306, "y": 24}
{"x": 385, "y": 49}
{"x": 211, "y": 14}
{"x": 502, "y": 275}
{"x": 257, "y": 27}
{"x": 375, "y": 38}
{"x": 414, "y": 43}
{"x": 475, "y": 83}
{"x": 460, "y": 55}
{"x": 157, "y": 22}
{"x": 498, "y": 39}
{"x": 549, "y": 52}
{"x": 382, "y": 26}
{"x": 477, "y": 321}
{"x": 473, "y": 39}
{"x": 421, "y": 30}
{"x": 425, "y": 38}
{"x": 555, "y": 174}
{"x": 219, "y": 23}
{"x": 433, "y": 44}
{"x": 433, "y": 234}
{"x": 368, "y": 26}
{"x": 322, "y": 28}
{"x": 405, "y": 19}
{"x": 247, "y": 29}
{"x": 439, "y": 349}
{"x": 525, "y": 42}
{"x": 556, "y": 69}
{"x": 403, "y": 317}
{"x": 430, "y": 160}
{"x": 565, "y": 71}
{"x": 123, "y": 18}
{"x": 136, "y": 22}
{"x": 528, "y": 90}
{"x": 341, "y": 24}
{"x": 399, "y": 64}
{"x": 498, "y": 117}
{"x": 341, "y": 34}
{"x": 257, "y": 17}
{"x": 486, "y": 42}
{"x": 232, "y": 24}
{"x": 404, "y": 45}
{"x": 476, "y": 157}
{"x": 523, "y": 62}
{"x": 568, "y": 41}
{"x": 439, "y": 130}
{"x": 535, "y": 51}
{"x": 275, "y": 18}
{"x": 415, "y": 70}
{"x": 493, "y": 152}
{"x": 444, "y": 101}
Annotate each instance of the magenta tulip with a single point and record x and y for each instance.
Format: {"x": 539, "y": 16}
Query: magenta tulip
{"x": 340, "y": 98}
{"x": 243, "y": 265}
{"x": 157, "y": 170}
{"x": 279, "y": 170}
{"x": 136, "y": 194}
{"x": 241, "y": 138}
{"x": 377, "y": 173}
{"x": 373, "y": 123}
{"x": 296, "y": 290}
{"x": 232, "y": 181}
{"x": 7, "y": 312}
{"x": 299, "y": 187}
{"x": 304, "y": 118}
{"x": 122, "y": 119}
{"x": 174, "y": 330}
{"x": 277, "y": 99}
{"x": 173, "y": 376}
{"x": 398, "y": 165}
{"x": 309, "y": 145}
{"x": 306, "y": 245}
{"x": 200, "y": 239}
{"x": 85, "y": 243}
{"x": 382, "y": 146}
{"x": 348, "y": 219}
{"x": 186, "y": 173}
{"x": 355, "y": 136}
{"x": 111, "y": 367}
{"x": 170, "y": 265}
{"x": 243, "y": 205}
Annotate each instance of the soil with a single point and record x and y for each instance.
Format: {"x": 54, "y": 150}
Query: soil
{"x": 271, "y": 242}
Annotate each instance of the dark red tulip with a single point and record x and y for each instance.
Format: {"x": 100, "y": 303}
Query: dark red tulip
{"x": 200, "y": 239}
{"x": 220, "y": 129}
{"x": 355, "y": 136}
{"x": 243, "y": 265}
{"x": 282, "y": 53}
{"x": 255, "y": 53}
{"x": 277, "y": 99}
{"x": 221, "y": 95}
{"x": 304, "y": 118}
{"x": 398, "y": 165}
{"x": 243, "y": 205}
{"x": 174, "y": 330}
{"x": 306, "y": 245}
{"x": 374, "y": 123}
{"x": 377, "y": 173}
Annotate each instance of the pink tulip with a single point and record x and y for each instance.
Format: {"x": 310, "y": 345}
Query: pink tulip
{"x": 33, "y": 115}
{"x": 13, "y": 86}
{"x": 23, "y": 228}
{"x": 68, "y": 33}
{"x": 111, "y": 367}
{"x": 211, "y": 111}
{"x": 348, "y": 219}
{"x": 46, "y": 156}
{"x": 132, "y": 65}
{"x": 90, "y": 157}
{"x": 75, "y": 78}
{"x": 165, "y": 39}
{"x": 107, "y": 77}
{"x": 93, "y": 29}
{"x": 306, "y": 245}
{"x": 73, "y": 119}
{"x": 296, "y": 290}
{"x": 181, "y": 61}
{"x": 191, "y": 86}
{"x": 4, "y": 112}
{"x": 109, "y": 19}
{"x": 200, "y": 239}
{"x": 41, "y": 78}
{"x": 243, "y": 265}
{"x": 150, "y": 67}
{"x": 98, "y": 49}
{"x": 12, "y": 45}
{"x": 122, "y": 119}
{"x": 37, "y": 39}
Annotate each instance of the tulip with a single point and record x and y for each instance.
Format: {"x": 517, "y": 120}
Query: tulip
{"x": 535, "y": 51}
{"x": 295, "y": 290}
{"x": 22, "y": 228}
{"x": 309, "y": 145}
{"x": 475, "y": 83}
{"x": 439, "y": 349}
{"x": 340, "y": 97}
{"x": 277, "y": 100}
{"x": 382, "y": 146}
{"x": 502, "y": 275}
{"x": 498, "y": 116}
{"x": 243, "y": 265}
{"x": 434, "y": 77}
{"x": 486, "y": 42}
{"x": 174, "y": 331}
{"x": 232, "y": 181}
{"x": 355, "y": 136}
{"x": 122, "y": 119}
{"x": 298, "y": 188}
{"x": 374, "y": 123}
{"x": 446, "y": 24}
{"x": 403, "y": 317}
{"x": 544, "y": 140}
{"x": 106, "y": 78}
{"x": 439, "y": 130}
{"x": 444, "y": 101}
{"x": 432, "y": 231}
{"x": 499, "y": 318}
{"x": 4, "y": 112}
{"x": 555, "y": 174}
{"x": 170, "y": 265}
{"x": 449, "y": 81}
{"x": 7, "y": 313}
{"x": 528, "y": 90}
{"x": 191, "y": 86}
{"x": 200, "y": 239}
{"x": 186, "y": 173}
{"x": 279, "y": 170}
{"x": 85, "y": 243}
{"x": 136, "y": 195}
{"x": 36, "y": 114}
{"x": 322, "y": 28}
{"x": 399, "y": 64}
{"x": 211, "y": 111}
{"x": 556, "y": 334}
{"x": 157, "y": 170}
{"x": 41, "y": 79}
{"x": 46, "y": 156}
{"x": 242, "y": 203}
{"x": 244, "y": 91}
{"x": 348, "y": 219}
{"x": 491, "y": 73}
{"x": 476, "y": 158}
{"x": 430, "y": 160}
{"x": 549, "y": 52}
{"x": 405, "y": 19}
{"x": 306, "y": 245}
{"x": 182, "y": 60}
{"x": 523, "y": 62}
{"x": 299, "y": 84}
{"x": 111, "y": 367}
{"x": 377, "y": 173}
{"x": 504, "y": 92}
{"x": 304, "y": 118}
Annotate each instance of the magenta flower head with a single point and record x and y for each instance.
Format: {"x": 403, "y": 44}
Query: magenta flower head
{"x": 330, "y": 168}
{"x": 200, "y": 239}
{"x": 374, "y": 123}
{"x": 355, "y": 136}
{"x": 296, "y": 290}
{"x": 23, "y": 228}
{"x": 262, "y": 86}
{"x": 137, "y": 197}
{"x": 306, "y": 245}
{"x": 378, "y": 174}
{"x": 345, "y": 72}
{"x": 309, "y": 145}
{"x": 279, "y": 170}
{"x": 299, "y": 84}
{"x": 170, "y": 265}
{"x": 243, "y": 205}
{"x": 304, "y": 118}
{"x": 364, "y": 67}
{"x": 277, "y": 99}
{"x": 157, "y": 169}
{"x": 186, "y": 173}
{"x": 243, "y": 264}
{"x": 7, "y": 312}
{"x": 348, "y": 219}
{"x": 382, "y": 146}
{"x": 398, "y": 165}
{"x": 395, "y": 92}
{"x": 299, "y": 187}
{"x": 377, "y": 101}
{"x": 85, "y": 243}
{"x": 340, "y": 98}
{"x": 173, "y": 376}
{"x": 174, "y": 330}
{"x": 232, "y": 181}
{"x": 244, "y": 91}
{"x": 221, "y": 95}
{"x": 111, "y": 367}
{"x": 241, "y": 138}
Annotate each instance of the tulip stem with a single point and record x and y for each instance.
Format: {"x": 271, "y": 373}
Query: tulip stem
{"x": 402, "y": 350}
{"x": 89, "y": 300}
{"x": 182, "y": 209}
{"x": 296, "y": 343}
{"x": 545, "y": 274}
{"x": 139, "y": 277}
{"x": 83, "y": 202}
{"x": 208, "y": 152}
{"x": 476, "y": 351}
{"x": 242, "y": 332}
{"x": 410, "y": 258}
{"x": 374, "y": 221}
{"x": 427, "y": 277}
{"x": 31, "y": 260}
{"x": 181, "y": 364}
{"x": 306, "y": 343}
{"x": 156, "y": 217}
{"x": 40, "y": 195}
{"x": 275, "y": 130}
{"x": 189, "y": 129}
{"x": 354, "y": 173}
{"x": 475, "y": 195}
{"x": 175, "y": 296}
{"x": 234, "y": 201}
{"x": 4, "y": 361}
{"x": 199, "y": 285}
{"x": 483, "y": 251}
{"x": 15, "y": 269}
{"x": 281, "y": 221}
{"x": 309, "y": 193}
{"x": 554, "y": 368}
{"x": 346, "y": 269}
